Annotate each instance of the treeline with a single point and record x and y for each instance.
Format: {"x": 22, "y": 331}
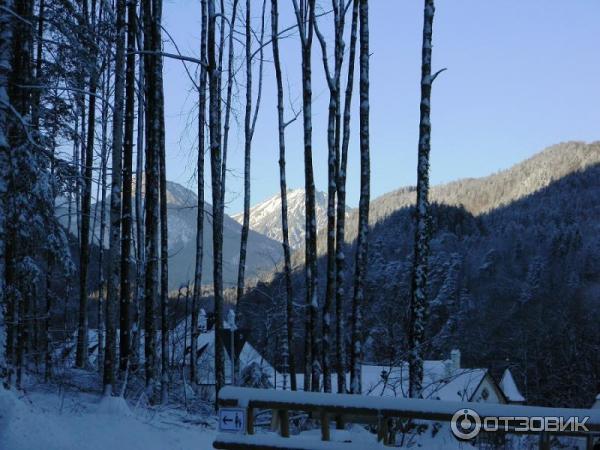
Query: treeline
{"x": 514, "y": 287}
{"x": 82, "y": 115}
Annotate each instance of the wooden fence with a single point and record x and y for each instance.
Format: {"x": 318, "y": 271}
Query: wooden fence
{"x": 378, "y": 411}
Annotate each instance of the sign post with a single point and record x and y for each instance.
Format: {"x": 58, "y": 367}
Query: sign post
{"x": 232, "y": 420}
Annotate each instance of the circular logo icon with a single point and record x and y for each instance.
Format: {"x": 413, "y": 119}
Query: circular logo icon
{"x": 465, "y": 424}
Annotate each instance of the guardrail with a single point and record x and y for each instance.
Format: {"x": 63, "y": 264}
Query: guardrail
{"x": 377, "y": 410}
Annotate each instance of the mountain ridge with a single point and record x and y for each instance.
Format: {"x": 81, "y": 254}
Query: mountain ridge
{"x": 265, "y": 216}
{"x": 516, "y": 278}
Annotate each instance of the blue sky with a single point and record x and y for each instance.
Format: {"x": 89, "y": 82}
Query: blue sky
{"x": 522, "y": 75}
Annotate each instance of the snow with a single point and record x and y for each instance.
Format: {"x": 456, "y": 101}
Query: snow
{"x": 113, "y": 406}
{"x": 44, "y": 420}
{"x": 441, "y": 382}
{"x": 310, "y": 440}
{"x": 265, "y": 217}
{"x": 510, "y": 389}
{"x": 410, "y": 407}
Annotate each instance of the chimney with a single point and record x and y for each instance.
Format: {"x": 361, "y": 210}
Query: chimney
{"x": 455, "y": 359}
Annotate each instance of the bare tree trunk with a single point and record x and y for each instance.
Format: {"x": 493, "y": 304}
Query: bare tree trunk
{"x": 103, "y": 187}
{"x": 249, "y": 124}
{"x": 139, "y": 213}
{"x": 152, "y": 181}
{"x": 215, "y": 165}
{"x": 305, "y": 16}
{"x": 164, "y": 234}
{"x": 363, "y": 212}
{"x": 333, "y": 143}
{"x": 6, "y": 39}
{"x": 200, "y": 213}
{"x": 115, "y": 205}
{"x": 230, "y": 80}
{"x": 247, "y": 150}
{"x": 340, "y": 257}
{"x": 419, "y": 301}
{"x": 126, "y": 224}
{"x": 289, "y": 341}
{"x": 86, "y": 202}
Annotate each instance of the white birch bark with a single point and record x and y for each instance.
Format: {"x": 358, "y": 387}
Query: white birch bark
{"x": 289, "y": 338}
{"x": 215, "y": 165}
{"x": 249, "y": 124}
{"x": 200, "y": 213}
{"x": 363, "y": 206}
{"x": 419, "y": 301}
{"x": 305, "y": 16}
{"x": 114, "y": 252}
{"x": 341, "y": 211}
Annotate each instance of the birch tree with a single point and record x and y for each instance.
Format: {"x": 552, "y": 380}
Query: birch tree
{"x": 305, "y": 19}
{"x": 103, "y": 188}
{"x": 164, "y": 229}
{"x": 86, "y": 200}
{"x": 114, "y": 255}
{"x": 152, "y": 192}
{"x": 333, "y": 145}
{"x": 200, "y": 213}
{"x": 341, "y": 210}
{"x": 215, "y": 166}
{"x": 249, "y": 126}
{"x": 139, "y": 205}
{"x": 230, "y": 81}
{"x": 419, "y": 301}
{"x": 127, "y": 222}
{"x": 358, "y": 299}
{"x": 287, "y": 264}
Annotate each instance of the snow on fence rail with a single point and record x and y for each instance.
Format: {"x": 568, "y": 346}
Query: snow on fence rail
{"x": 370, "y": 409}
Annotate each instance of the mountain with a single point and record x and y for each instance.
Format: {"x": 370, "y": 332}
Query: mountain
{"x": 263, "y": 252}
{"x": 265, "y": 217}
{"x": 514, "y": 275}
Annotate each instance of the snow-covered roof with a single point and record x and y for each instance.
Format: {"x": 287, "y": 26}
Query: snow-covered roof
{"x": 206, "y": 359}
{"x": 510, "y": 389}
{"x": 441, "y": 381}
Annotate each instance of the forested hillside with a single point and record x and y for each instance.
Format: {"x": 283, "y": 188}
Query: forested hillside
{"x": 182, "y": 207}
{"x": 514, "y": 274}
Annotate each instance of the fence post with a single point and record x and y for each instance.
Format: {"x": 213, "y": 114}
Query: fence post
{"x": 324, "y": 426}
{"x": 250, "y": 420}
{"x": 284, "y": 423}
{"x": 544, "y": 441}
{"x": 589, "y": 442}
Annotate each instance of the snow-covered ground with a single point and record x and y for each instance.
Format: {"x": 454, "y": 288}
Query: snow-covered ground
{"x": 75, "y": 417}
{"x": 48, "y": 421}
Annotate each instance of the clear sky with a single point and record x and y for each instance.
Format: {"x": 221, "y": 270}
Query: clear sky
{"x": 522, "y": 75}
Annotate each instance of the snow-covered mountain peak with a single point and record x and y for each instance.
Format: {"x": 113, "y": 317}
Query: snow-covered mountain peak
{"x": 265, "y": 217}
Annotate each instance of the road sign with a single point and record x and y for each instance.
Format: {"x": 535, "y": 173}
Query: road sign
{"x": 232, "y": 420}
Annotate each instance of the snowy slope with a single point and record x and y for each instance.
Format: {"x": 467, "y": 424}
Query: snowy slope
{"x": 265, "y": 217}
{"x": 263, "y": 252}
{"x": 83, "y": 422}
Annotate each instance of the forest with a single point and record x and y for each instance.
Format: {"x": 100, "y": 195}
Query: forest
{"x": 111, "y": 274}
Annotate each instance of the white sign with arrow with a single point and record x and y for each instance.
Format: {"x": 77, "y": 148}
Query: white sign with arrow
{"x": 232, "y": 420}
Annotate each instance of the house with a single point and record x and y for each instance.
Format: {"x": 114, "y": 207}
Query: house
{"x": 510, "y": 389}
{"x": 245, "y": 357}
{"x": 443, "y": 380}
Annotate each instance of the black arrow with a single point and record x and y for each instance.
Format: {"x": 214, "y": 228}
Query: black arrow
{"x": 226, "y": 419}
